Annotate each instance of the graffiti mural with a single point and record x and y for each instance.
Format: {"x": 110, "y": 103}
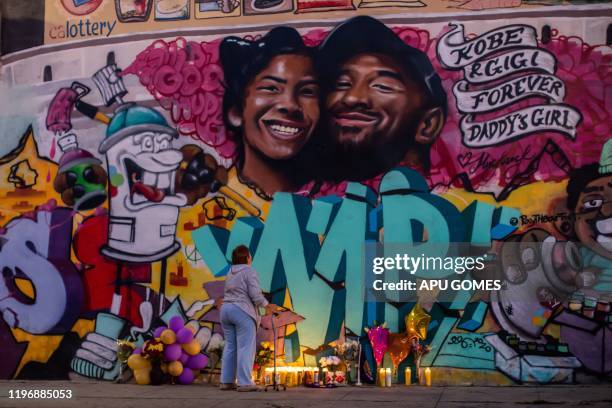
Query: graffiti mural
{"x": 132, "y": 175}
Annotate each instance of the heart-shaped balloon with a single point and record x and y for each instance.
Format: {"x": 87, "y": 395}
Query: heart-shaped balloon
{"x": 399, "y": 348}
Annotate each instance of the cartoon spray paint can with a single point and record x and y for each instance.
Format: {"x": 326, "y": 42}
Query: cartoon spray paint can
{"x": 142, "y": 166}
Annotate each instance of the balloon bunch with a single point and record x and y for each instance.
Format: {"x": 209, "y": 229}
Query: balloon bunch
{"x": 400, "y": 345}
{"x": 176, "y": 351}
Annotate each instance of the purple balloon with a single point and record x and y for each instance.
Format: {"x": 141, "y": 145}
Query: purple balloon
{"x": 176, "y": 323}
{"x": 184, "y": 335}
{"x": 186, "y": 377}
{"x": 197, "y": 362}
{"x": 157, "y": 333}
{"x": 172, "y": 352}
{"x": 137, "y": 350}
{"x": 184, "y": 357}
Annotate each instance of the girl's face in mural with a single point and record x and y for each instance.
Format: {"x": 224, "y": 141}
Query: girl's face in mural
{"x": 281, "y": 107}
{"x": 594, "y": 216}
{"x": 373, "y": 102}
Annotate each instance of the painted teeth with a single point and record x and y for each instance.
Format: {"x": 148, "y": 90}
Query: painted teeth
{"x": 604, "y": 226}
{"x": 285, "y": 129}
{"x": 148, "y": 178}
{"x": 163, "y": 180}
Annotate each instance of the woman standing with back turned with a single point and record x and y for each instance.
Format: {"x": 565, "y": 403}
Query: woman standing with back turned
{"x": 240, "y": 320}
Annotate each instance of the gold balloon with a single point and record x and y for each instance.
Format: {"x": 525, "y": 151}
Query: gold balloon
{"x": 138, "y": 362}
{"x": 399, "y": 348}
{"x": 192, "y": 348}
{"x": 175, "y": 368}
{"x": 142, "y": 377}
{"x": 168, "y": 336}
{"x": 416, "y": 322}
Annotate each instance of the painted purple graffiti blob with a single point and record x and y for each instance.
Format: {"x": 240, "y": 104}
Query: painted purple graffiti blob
{"x": 39, "y": 249}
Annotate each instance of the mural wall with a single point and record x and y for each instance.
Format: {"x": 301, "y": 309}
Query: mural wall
{"x": 147, "y": 139}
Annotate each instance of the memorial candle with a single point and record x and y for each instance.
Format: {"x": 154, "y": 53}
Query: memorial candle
{"x": 381, "y": 377}
{"x": 408, "y": 376}
{"x": 428, "y": 377}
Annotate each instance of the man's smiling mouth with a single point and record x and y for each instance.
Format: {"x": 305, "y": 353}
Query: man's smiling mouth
{"x": 284, "y": 130}
{"x": 355, "y": 119}
{"x": 146, "y": 185}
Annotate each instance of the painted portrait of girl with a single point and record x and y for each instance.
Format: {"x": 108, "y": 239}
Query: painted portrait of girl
{"x": 271, "y": 106}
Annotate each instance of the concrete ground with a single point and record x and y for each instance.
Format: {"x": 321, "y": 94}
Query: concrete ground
{"x": 203, "y": 395}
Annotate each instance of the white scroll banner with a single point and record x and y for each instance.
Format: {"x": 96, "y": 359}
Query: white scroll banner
{"x": 507, "y": 93}
{"x": 455, "y": 52}
{"x": 511, "y": 62}
{"x": 541, "y": 118}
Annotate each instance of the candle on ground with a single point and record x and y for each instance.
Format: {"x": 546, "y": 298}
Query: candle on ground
{"x": 381, "y": 377}
{"x": 428, "y": 377}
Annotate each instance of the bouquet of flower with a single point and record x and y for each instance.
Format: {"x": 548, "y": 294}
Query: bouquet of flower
{"x": 215, "y": 350}
{"x": 419, "y": 350}
{"x": 124, "y": 351}
{"x": 347, "y": 351}
{"x": 330, "y": 362}
{"x": 264, "y": 356}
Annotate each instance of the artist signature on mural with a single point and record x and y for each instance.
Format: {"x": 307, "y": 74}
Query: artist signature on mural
{"x": 467, "y": 342}
{"x": 540, "y": 219}
{"x": 484, "y": 161}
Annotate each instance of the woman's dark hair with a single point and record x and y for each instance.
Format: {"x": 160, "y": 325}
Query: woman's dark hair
{"x": 242, "y": 60}
{"x": 240, "y": 255}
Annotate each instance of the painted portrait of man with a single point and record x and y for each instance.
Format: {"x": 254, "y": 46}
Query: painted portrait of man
{"x": 383, "y": 102}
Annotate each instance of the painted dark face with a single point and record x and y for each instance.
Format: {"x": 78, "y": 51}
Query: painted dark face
{"x": 281, "y": 107}
{"x": 594, "y": 216}
{"x": 373, "y": 102}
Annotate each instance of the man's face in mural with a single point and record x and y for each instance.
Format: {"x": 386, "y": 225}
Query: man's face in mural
{"x": 374, "y": 109}
{"x": 281, "y": 107}
{"x": 593, "y": 224}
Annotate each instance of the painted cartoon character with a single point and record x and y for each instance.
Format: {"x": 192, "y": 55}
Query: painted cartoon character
{"x": 589, "y": 198}
{"x": 142, "y": 166}
{"x": 81, "y": 179}
{"x": 541, "y": 272}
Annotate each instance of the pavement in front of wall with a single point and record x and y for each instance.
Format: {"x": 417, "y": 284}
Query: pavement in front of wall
{"x": 104, "y": 394}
